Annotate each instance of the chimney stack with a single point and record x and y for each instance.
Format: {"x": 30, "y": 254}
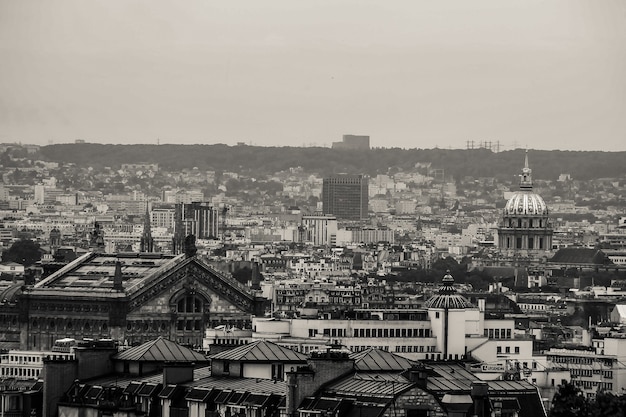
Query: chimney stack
{"x": 479, "y": 392}
{"x": 177, "y": 373}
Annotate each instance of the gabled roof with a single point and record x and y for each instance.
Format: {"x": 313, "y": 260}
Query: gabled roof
{"x": 379, "y": 360}
{"x": 580, "y": 256}
{"x": 160, "y": 350}
{"x": 260, "y": 351}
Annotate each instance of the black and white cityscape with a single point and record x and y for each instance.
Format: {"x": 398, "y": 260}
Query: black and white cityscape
{"x": 315, "y": 209}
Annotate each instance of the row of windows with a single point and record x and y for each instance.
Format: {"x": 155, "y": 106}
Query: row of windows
{"x": 373, "y": 332}
{"x": 391, "y": 332}
{"x": 525, "y": 365}
{"x": 338, "y": 300}
{"x": 523, "y": 223}
{"x": 574, "y": 360}
{"x": 189, "y": 325}
{"x": 20, "y": 359}
{"x": 604, "y": 386}
{"x": 507, "y": 349}
{"x": 230, "y": 342}
{"x": 591, "y": 372}
{"x": 32, "y": 359}
{"x": 498, "y": 333}
{"x": 13, "y": 372}
{"x": 87, "y": 327}
{"x": 145, "y": 326}
{"x": 580, "y": 361}
{"x": 415, "y": 349}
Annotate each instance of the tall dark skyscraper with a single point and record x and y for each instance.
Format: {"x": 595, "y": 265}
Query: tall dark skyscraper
{"x": 345, "y": 196}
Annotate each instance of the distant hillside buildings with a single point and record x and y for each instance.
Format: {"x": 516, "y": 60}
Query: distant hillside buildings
{"x": 355, "y": 142}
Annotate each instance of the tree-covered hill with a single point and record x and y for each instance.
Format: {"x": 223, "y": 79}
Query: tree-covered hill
{"x": 546, "y": 165}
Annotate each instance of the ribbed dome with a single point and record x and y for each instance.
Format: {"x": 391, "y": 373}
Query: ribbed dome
{"x": 526, "y": 203}
{"x": 448, "y": 298}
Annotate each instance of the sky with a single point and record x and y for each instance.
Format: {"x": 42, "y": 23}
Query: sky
{"x": 540, "y": 74}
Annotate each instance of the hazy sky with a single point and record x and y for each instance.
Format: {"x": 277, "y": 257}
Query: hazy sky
{"x": 547, "y": 74}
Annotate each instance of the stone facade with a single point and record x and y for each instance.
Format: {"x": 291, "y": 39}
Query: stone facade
{"x": 177, "y": 303}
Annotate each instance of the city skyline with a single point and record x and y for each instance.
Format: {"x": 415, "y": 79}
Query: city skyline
{"x": 542, "y": 75}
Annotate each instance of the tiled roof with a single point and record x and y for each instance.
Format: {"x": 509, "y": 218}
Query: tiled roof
{"x": 580, "y": 256}
{"x": 369, "y": 386}
{"x": 252, "y": 385}
{"x": 160, "y": 350}
{"x": 260, "y": 351}
{"x": 125, "y": 381}
{"x": 379, "y": 360}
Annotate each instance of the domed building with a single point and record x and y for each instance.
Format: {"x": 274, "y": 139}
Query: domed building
{"x": 525, "y": 227}
{"x": 452, "y": 317}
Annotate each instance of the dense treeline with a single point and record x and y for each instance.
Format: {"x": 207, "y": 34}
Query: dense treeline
{"x": 547, "y": 165}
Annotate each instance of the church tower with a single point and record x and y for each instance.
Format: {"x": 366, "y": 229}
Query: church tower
{"x": 96, "y": 239}
{"x": 525, "y": 228}
{"x": 147, "y": 242}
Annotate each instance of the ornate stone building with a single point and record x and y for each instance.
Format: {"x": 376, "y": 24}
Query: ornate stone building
{"x": 131, "y": 298}
{"x": 525, "y": 229}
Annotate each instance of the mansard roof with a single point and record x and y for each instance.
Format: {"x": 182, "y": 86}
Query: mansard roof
{"x": 260, "y": 351}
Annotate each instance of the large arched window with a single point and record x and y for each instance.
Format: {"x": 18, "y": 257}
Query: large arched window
{"x": 191, "y": 308}
{"x": 189, "y": 304}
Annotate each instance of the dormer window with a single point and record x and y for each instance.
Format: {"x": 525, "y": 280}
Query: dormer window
{"x": 226, "y": 368}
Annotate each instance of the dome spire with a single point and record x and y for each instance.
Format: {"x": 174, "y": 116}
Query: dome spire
{"x": 526, "y": 182}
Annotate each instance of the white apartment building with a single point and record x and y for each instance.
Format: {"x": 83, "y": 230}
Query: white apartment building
{"x": 27, "y": 364}
{"x": 599, "y": 368}
{"x": 449, "y": 327}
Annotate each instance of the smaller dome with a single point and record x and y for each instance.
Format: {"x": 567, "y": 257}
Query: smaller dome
{"x": 448, "y": 298}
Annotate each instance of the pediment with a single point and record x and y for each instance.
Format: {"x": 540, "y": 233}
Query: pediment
{"x": 193, "y": 274}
